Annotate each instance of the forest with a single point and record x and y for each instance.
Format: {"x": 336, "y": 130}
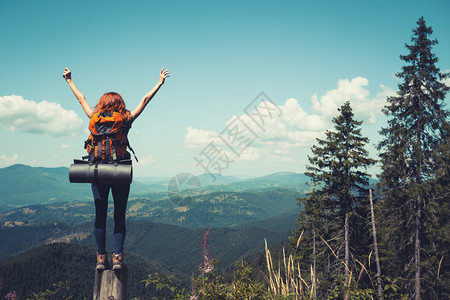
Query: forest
{"x": 352, "y": 239}
{"x": 391, "y": 243}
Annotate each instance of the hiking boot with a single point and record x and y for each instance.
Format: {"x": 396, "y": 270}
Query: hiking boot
{"x": 118, "y": 261}
{"x": 102, "y": 261}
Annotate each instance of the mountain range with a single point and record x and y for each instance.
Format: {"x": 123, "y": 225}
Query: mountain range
{"x": 40, "y": 209}
{"x": 23, "y": 185}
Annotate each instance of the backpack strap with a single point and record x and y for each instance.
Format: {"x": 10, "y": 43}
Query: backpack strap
{"x": 113, "y": 146}
{"x": 126, "y": 130}
{"x": 131, "y": 149}
{"x": 93, "y": 143}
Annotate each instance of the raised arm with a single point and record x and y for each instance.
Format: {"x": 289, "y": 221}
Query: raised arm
{"x": 163, "y": 74}
{"x": 68, "y": 77}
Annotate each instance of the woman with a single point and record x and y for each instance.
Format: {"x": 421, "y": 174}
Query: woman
{"x": 109, "y": 103}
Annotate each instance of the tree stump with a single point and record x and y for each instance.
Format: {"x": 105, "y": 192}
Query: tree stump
{"x": 111, "y": 284}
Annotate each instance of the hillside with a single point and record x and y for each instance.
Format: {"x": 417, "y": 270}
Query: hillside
{"x": 175, "y": 247}
{"x": 217, "y": 209}
{"x": 23, "y": 185}
{"x": 49, "y": 264}
{"x": 22, "y": 237}
{"x": 285, "y": 222}
{"x": 179, "y": 248}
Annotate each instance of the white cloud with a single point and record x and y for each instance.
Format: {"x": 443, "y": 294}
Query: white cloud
{"x": 146, "y": 160}
{"x": 298, "y": 118}
{"x": 5, "y": 160}
{"x": 50, "y": 118}
{"x": 64, "y": 146}
{"x": 446, "y": 81}
{"x": 354, "y": 91}
{"x": 274, "y": 158}
{"x": 196, "y": 138}
{"x": 293, "y": 128}
{"x": 250, "y": 154}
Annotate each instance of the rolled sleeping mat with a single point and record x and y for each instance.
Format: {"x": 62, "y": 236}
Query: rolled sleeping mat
{"x": 82, "y": 171}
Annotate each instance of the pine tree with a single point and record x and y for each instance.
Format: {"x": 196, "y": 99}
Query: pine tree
{"x": 417, "y": 126}
{"x": 312, "y": 225}
{"x": 340, "y": 197}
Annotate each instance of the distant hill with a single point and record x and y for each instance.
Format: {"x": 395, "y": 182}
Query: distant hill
{"x": 215, "y": 209}
{"x": 217, "y": 182}
{"x": 24, "y": 185}
{"x": 277, "y": 180}
{"x": 38, "y": 269}
{"x": 285, "y": 222}
{"x": 217, "y": 179}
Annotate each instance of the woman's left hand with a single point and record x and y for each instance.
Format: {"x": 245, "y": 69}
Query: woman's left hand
{"x": 163, "y": 74}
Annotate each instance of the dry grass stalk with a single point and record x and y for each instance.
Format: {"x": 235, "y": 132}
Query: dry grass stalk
{"x": 313, "y": 282}
{"x": 363, "y": 268}
{"x": 292, "y": 282}
{"x": 336, "y": 255}
{"x": 348, "y": 285}
{"x": 439, "y": 268}
{"x": 289, "y": 283}
{"x": 298, "y": 241}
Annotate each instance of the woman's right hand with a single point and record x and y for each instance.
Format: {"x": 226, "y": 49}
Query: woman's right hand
{"x": 67, "y": 74}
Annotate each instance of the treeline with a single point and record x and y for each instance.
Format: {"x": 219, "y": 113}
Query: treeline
{"x": 69, "y": 270}
{"x": 20, "y": 238}
{"x": 400, "y": 248}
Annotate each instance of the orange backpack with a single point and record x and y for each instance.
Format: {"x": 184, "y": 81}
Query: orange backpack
{"x": 108, "y": 140}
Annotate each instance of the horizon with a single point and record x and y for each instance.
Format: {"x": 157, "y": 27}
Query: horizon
{"x": 146, "y": 180}
{"x": 240, "y": 177}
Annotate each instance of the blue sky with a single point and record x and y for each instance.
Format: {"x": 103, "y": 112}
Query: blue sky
{"x": 307, "y": 57}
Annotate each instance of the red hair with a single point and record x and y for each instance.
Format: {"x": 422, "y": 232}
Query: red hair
{"x": 112, "y": 102}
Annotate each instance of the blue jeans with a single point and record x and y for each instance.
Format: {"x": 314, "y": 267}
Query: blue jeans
{"x": 120, "y": 195}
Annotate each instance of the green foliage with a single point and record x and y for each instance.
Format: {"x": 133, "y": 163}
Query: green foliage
{"x": 353, "y": 292}
{"x": 392, "y": 289}
{"x": 167, "y": 284}
{"x": 212, "y": 286}
{"x": 60, "y": 291}
{"x": 337, "y": 205}
{"x": 243, "y": 286}
{"x": 415, "y": 157}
